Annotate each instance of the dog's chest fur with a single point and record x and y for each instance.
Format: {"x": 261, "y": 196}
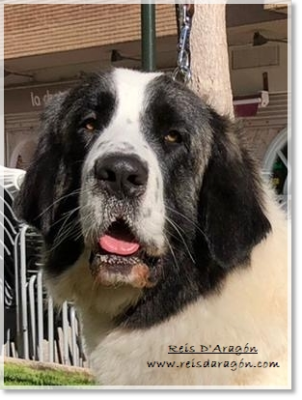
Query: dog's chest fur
{"x": 249, "y": 312}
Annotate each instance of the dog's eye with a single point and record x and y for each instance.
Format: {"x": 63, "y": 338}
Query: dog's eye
{"x": 90, "y": 124}
{"x": 173, "y": 137}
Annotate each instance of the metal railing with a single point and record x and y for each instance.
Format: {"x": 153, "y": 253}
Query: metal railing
{"x": 34, "y": 328}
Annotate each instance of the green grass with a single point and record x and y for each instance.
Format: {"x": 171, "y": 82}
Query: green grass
{"x": 17, "y": 375}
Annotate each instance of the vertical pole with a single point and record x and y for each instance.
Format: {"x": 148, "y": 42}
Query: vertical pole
{"x": 148, "y": 37}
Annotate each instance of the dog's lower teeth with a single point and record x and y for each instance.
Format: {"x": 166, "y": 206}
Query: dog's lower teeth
{"x": 116, "y": 260}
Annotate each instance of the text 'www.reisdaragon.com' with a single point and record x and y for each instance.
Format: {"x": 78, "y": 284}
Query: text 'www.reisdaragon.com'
{"x": 232, "y": 365}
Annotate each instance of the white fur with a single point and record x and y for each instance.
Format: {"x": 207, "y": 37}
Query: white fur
{"x": 251, "y": 308}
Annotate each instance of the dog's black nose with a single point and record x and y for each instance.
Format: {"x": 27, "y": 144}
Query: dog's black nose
{"x": 122, "y": 175}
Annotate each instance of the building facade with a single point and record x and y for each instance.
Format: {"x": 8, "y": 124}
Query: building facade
{"x": 49, "y": 47}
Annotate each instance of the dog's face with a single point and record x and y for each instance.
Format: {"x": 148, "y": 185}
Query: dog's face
{"x": 136, "y": 171}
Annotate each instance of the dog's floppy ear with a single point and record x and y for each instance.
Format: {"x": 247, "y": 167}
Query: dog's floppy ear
{"x": 231, "y": 211}
{"x": 33, "y": 202}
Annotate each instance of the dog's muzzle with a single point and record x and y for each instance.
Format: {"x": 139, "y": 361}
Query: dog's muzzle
{"x": 119, "y": 256}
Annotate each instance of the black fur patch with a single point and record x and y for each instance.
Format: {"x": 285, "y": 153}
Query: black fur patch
{"x": 49, "y": 197}
{"x": 230, "y": 209}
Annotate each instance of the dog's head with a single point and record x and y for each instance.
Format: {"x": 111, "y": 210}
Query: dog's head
{"x": 136, "y": 169}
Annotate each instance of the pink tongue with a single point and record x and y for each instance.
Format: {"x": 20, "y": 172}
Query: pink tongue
{"x": 118, "y": 246}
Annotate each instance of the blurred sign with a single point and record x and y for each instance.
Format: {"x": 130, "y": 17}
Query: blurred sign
{"x": 30, "y": 99}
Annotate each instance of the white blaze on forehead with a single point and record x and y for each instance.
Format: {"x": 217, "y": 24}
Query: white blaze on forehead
{"x": 124, "y": 135}
{"x": 124, "y": 132}
{"x": 131, "y": 88}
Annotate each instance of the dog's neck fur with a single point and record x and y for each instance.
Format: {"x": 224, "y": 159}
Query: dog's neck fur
{"x": 246, "y": 311}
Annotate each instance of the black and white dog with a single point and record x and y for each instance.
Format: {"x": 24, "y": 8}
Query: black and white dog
{"x": 158, "y": 227}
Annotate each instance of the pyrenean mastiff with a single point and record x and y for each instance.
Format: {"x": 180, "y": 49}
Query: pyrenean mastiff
{"x": 158, "y": 227}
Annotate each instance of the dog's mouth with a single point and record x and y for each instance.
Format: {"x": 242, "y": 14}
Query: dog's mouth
{"x": 120, "y": 259}
{"x": 119, "y": 240}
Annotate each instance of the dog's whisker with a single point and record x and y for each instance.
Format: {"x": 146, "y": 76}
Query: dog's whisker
{"x": 70, "y": 228}
{"x": 73, "y": 193}
{"x": 177, "y": 229}
{"x": 187, "y": 219}
{"x": 66, "y": 215}
{"x": 67, "y": 233}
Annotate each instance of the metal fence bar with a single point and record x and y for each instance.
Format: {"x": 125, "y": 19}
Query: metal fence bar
{"x": 24, "y": 320}
{"x": 32, "y": 306}
{"x": 8, "y": 222}
{"x": 50, "y": 330}
{"x": 17, "y": 293}
{"x": 65, "y": 334}
{"x": 72, "y": 317}
{"x": 40, "y": 316}
{"x": 5, "y": 248}
{"x": 7, "y": 347}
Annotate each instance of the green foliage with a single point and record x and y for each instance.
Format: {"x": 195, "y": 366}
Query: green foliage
{"x": 26, "y": 376}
